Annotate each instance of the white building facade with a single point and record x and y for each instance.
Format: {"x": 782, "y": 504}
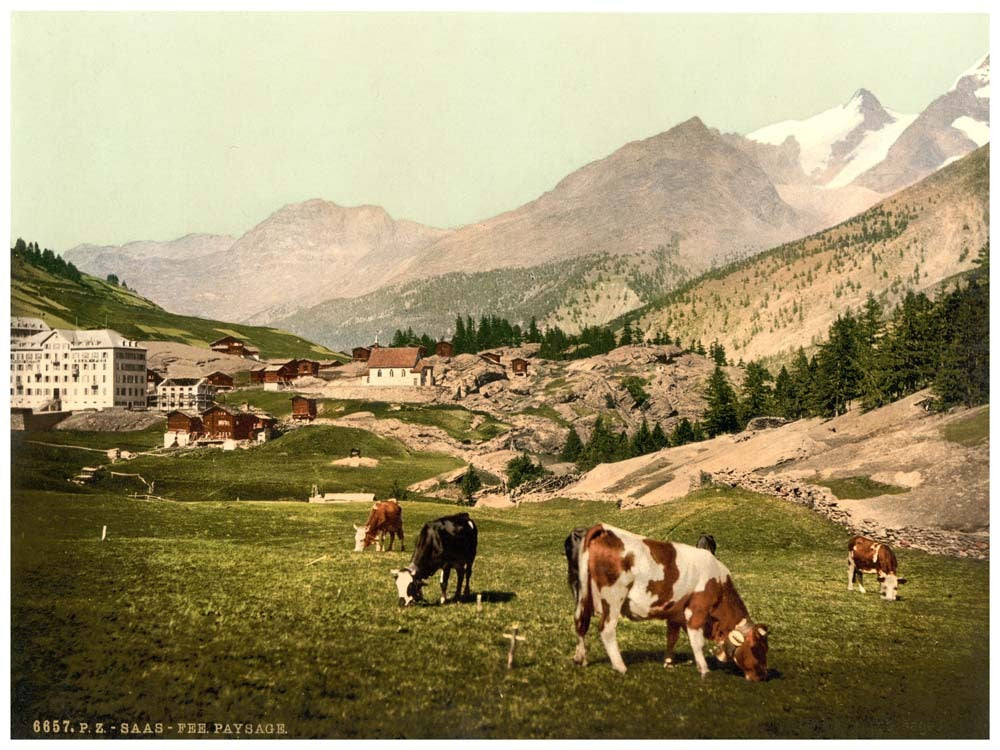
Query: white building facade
{"x": 398, "y": 366}
{"x": 184, "y": 393}
{"x": 67, "y": 370}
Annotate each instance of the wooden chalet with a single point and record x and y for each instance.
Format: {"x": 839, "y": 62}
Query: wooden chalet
{"x": 306, "y": 368}
{"x": 234, "y": 346}
{"x": 220, "y": 380}
{"x": 221, "y": 423}
{"x": 303, "y": 408}
{"x": 519, "y": 367}
{"x": 183, "y": 421}
{"x": 444, "y": 349}
{"x": 279, "y": 374}
{"x": 153, "y": 378}
{"x": 491, "y": 356}
{"x": 361, "y": 353}
{"x": 257, "y": 375}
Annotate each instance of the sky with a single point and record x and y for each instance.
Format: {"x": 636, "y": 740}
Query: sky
{"x": 150, "y": 126}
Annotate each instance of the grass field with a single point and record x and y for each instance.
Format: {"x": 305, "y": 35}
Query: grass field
{"x": 856, "y": 488}
{"x": 208, "y": 611}
{"x": 970, "y": 431}
{"x": 456, "y": 421}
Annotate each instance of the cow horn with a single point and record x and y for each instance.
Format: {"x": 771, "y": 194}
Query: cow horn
{"x": 356, "y": 527}
{"x": 762, "y": 631}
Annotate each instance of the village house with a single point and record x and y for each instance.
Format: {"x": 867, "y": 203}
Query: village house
{"x": 398, "y": 366}
{"x": 306, "y": 368}
{"x": 222, "y": 423}
{"x": 153, "y": 378}
{"x": 183, "y": 428}
{"x": 234, "y": 346}
{"x": 444, "y": 349}
{"x": 257, "y": 375}
{"x": 279, "y": 375}
{"x": 362, "y": 353}
{"x": 303, "y": 408}
{"x": 65, "y": 369}
{"x": 519, "y": 367}
{"x": 220, "y": 380}
{"x": 184, "y": 393}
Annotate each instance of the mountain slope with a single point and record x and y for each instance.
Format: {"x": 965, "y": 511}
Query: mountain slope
{"x": 686, "y": 185}
{"x": 770, "y": 304}
{"x": 93, "y": 303}
{"x": 951, "y": 126}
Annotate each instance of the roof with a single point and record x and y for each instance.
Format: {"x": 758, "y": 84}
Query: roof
{"x": 218, "y": 407}
{"x": 226, "y": 339}
{"x": 22, "y": 323}
{"x": 219, "y": 372}
{"x": 182, "y": 381}
{"x": 389, "y": 356}
{"x": 102, "y": 338}
{"x": 187, "y": 414}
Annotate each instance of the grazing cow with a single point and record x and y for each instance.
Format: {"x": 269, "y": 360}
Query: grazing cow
{"x": 866, "y": 556}
{"x": 621, "y": 573}
{"x": 706, "y": 541}
{"x": 386, "y": 518}
{"x": 442, "y": 544}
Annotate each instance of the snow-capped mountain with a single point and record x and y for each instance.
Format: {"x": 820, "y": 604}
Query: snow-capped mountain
{"x": 865, "y": 145}
{"x": 839, "y": 144}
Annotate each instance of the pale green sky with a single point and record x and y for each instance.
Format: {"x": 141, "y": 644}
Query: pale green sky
{"x": 149, "y": 126}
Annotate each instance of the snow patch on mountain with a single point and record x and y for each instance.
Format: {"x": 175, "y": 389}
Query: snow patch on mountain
{"x": 873, "y": 149}
{"x": 979, "y": 73}
{"x": 977, "y": 132}
{"x": 815, "y": 135}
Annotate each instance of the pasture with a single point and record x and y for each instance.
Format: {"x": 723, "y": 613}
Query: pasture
{"x": 208, "y": 611}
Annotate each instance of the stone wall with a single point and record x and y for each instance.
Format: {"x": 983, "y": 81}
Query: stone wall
{"x": 820, "y": 499}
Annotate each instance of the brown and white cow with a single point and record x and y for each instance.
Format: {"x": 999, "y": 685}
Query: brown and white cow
{"x": 867, "y": 556}
{"x": 621, "y": 573}
{"x": 386, "y": 518}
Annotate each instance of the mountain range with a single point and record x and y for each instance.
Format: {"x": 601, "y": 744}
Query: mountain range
{"x": 700, "y": 196}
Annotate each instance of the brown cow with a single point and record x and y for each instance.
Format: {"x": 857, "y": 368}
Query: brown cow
{"x": 644, "y": 579}
{"x": 867, "y": 556}
{"x": 386, "y": 518}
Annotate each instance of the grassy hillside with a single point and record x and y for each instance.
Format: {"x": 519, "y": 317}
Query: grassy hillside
{"x": 209, "y": 612}
{"x": 93, "y": 303}
{"x": 772, "y": 303}
{"x": 571, "y": 294}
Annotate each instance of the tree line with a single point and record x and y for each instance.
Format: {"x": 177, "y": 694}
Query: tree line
{"x": 44, "y": 259}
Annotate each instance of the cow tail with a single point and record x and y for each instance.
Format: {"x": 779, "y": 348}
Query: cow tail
{"x": 585, "y": 597}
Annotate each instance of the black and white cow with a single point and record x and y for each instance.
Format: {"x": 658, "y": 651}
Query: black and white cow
{"x": 443, "y": 544}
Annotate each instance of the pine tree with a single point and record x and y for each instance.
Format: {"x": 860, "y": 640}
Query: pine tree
{"x": 755, "y": 393}
{"x": 682, "y": 434}
{"x": 573, "y": 446}
{"x": 470, "y": 483}
{"x": 720, "y": 416}
{"x": 659, "y": 438}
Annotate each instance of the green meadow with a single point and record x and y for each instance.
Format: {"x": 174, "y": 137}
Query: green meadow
{"x": 210, "y": 611}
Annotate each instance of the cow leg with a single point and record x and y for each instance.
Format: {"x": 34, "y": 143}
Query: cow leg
{"x": 468, "y": 575}
{"x": 445, "y": 572}
{"x": 673, "y": 631}
{"x": 850, "y": 572}
{"x": 581, "y": 619}
{"x": 697, "y": 640}
{"x": 392, "y": 539}
{"x": 609, "y": 629}
{"x": 402, "y": 547}
{"x": 380, "y": 542}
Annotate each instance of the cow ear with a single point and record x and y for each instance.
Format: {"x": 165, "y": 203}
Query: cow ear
{"x": 395, "y": 573}
{"x": 762, "y": 630}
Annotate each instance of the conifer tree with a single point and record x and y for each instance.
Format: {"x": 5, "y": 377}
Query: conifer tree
{"x": 720, "y": 416}
{"x": 572, "y": 447}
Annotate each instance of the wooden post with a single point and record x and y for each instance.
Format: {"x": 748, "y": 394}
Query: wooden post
{"x": 104, "y": 532}
{"x": 514, "y": 638}
{"x": 479, "y": 603}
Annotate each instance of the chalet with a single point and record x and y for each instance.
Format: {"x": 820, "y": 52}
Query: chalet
{"x": 184, "y": 393}
{"x": 221, "y": 423}
{"x": 257, "y": 375}
{"x": 394, "y": 366}
{"x": 492, "y": 357}
{"x": 303, "y": 408}
{"x": 235, "y": 346}
{"x": 361, "y": 353}
{"x": 182, "y": 428}
{"x": 153, "y": 378}
{"x": 306, "y": 368}
{"x": 220, "y": 380}
{"x": 279, "y": 375}
{"x": 444, "y": 349}
{"x": 519, "y": 367}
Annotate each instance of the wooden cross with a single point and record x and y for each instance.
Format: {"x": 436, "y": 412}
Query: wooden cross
{"x": 514, "y": 638}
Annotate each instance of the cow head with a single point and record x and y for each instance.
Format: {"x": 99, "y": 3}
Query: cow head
{"x": 409, "y": 589}
{"x": 751, "y": 653}
{"x": 888, "y": 584}
{"x": 359, "y": 537}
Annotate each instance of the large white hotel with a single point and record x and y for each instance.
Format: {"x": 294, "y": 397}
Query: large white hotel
{"x": 60, "y": 369}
